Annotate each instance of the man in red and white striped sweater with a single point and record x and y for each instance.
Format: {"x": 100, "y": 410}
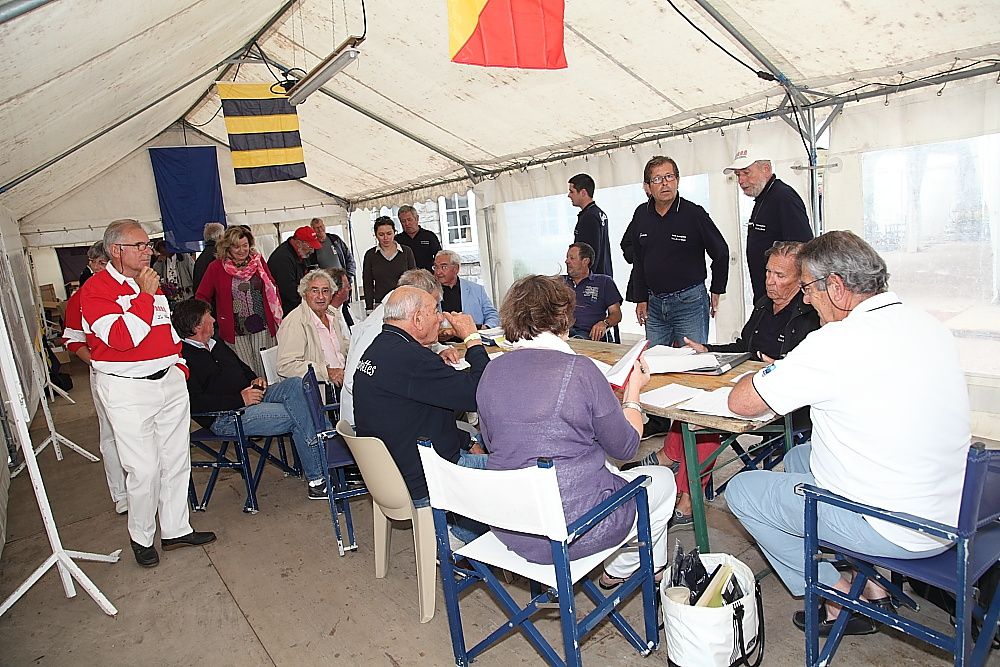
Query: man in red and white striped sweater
{"x": 141, "y": 380}
{"x": 76, "y": 342}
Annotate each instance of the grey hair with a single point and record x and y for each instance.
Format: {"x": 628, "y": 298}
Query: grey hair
{"x": 789, "y": 249}
{"x": 115, "y": 232}
{"x": 421, "y": 279}
{"x": 453, "y": 257}
{"x": 406, "y": 208}
{"x": 213, "y": 231}
{"x": 97, "y": 251}
{"x": 316, "y": 274}
{"x": 847, "y": 255}
{"x": 402, "y": 303}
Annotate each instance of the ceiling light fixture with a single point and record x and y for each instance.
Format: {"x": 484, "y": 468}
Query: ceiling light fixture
{"x": 341, "y": 57}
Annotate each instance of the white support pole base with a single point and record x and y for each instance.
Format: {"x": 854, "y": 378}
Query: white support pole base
{"x": 68, "y": 570}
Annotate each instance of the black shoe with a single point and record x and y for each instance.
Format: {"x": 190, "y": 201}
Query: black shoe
{"x": 317, "y": 492}
{"x": 856, "y": 624}
{"x": 655, "y": 426}
{"x": 192, "y": 539}
{"x": 145, "y": 556}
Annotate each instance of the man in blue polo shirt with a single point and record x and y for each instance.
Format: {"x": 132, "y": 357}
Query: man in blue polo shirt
{"x": 598, "y": 302}
{"x": 671, "y": 237}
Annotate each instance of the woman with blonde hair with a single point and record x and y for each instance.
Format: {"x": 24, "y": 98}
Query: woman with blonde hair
{"x": 244, "y": 297}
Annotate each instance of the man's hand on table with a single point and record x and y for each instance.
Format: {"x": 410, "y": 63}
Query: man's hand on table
{"x": 697, "y": 347}
{"x": 450, "y": 355}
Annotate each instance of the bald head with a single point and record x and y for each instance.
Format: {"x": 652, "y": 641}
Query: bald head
{"x": 414, "y": 311}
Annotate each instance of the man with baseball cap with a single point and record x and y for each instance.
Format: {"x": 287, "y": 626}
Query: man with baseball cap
{"x": 288, "y": 264}
{"x": 778, "y": 212}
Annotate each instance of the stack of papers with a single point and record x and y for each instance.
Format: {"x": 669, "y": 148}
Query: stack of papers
{"x": 717, "y": 403}
{"x": 663, "y": 359}
{"x": 669, "y": 394}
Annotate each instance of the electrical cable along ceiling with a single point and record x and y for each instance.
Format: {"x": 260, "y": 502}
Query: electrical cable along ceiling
{"x": 107, "y": 75}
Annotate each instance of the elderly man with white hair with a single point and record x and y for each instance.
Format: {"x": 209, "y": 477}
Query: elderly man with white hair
{"x": 872, "y": 375}
{"x": 463, "y": 296}
{"x": 778, "y": 212}
{"x": 315, "y": 332}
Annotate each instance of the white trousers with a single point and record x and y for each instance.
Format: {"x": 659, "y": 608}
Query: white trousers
{"x": 662, "y": 495}
{"x": 151, "y": 424}
{"x": 109, "y": 451}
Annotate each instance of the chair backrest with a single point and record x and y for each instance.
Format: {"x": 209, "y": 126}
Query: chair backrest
{"x": 981, "y": 491}
{"x": 382, "y": 477}
{"x": 336, "y": 449}
{"x": 525, "y": 500}
{"x": 269, "y": 359}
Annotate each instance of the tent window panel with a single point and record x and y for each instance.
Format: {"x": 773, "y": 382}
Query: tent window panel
{"x": 458, "y": 213}
{"x": 933, "y": 212}
{"x": 538, "y": 232}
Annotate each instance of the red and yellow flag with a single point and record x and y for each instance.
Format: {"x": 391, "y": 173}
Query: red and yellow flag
{"x": 507, "y": 33}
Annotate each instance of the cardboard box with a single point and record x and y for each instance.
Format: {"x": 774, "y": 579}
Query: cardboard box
{"x": 48, "y": 292}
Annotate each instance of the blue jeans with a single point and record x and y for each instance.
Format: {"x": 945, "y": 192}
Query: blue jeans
{"x": 766, "y": 504}
{"x": 671, "y": 317}
{"x": 283, "y": 410}
{"x": 463, "y": 528}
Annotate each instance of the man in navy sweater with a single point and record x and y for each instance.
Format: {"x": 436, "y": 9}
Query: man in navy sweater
{"x": 671, "y": 237}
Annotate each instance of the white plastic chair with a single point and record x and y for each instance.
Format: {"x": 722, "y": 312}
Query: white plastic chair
{"x": 391, "y": 500}
{"x": 528, "y": 501}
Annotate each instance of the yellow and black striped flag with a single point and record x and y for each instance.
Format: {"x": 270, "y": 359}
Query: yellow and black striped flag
{"x": 263, "y": 133}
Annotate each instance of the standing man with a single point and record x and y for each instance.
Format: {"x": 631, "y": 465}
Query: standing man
{"x": 141, "y": 380}
{"x": 671, "y": 237}
{"x": 333, "y": 253}
{"x": 76, "y": 342}
{"x": 778, "y": 213}
{"x": 591, "y": 223}
{"x": 288, "y": 264}
{"x": 212, "y": 232}
{"x": 598, "y": 301}
{"x": 463, "y": 296}
{"x": 888, "y": 430}
{"x": 423, "y": 242}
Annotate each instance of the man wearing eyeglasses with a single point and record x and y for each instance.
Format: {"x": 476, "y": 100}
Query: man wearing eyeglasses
{"x": 670, "y": 238}
{"x": 141, "y": 381}
{"x": 778, "y": 212}
{"x": 891, "y": 426}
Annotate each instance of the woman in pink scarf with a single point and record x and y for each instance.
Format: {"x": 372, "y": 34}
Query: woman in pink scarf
{"x": 241, "y": 290}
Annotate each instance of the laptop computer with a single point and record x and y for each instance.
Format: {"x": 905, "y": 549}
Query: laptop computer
{"x": 727, "y": 362}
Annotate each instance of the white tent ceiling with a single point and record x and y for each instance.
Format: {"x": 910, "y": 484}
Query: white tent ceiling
{"x": 106, "y": 76}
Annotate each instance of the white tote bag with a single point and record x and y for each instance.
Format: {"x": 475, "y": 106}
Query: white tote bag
{"x": 711, "y": 636}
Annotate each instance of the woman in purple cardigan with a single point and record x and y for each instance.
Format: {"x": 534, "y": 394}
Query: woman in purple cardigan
{"x": 542, "y": 400}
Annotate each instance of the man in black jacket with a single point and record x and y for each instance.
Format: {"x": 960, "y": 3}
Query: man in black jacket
{"x": 288, "y": 265}
{"x": 219, "y": 381}
{"x": 780, "y": 319}
{"x": 212, "y": 232}
{"x": 591, "y": 223}
{"x": 403, "y": 391}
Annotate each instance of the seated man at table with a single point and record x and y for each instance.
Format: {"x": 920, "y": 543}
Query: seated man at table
{"x": 219, "y": 381}
{"x": 403, "y": 391}
{"x": 598, "y": 301}
{"x": 364, "y": 332}
{"x": 780, "y": 321}
{"x": 890, "y": 413}
{"x": 463, "y": 296}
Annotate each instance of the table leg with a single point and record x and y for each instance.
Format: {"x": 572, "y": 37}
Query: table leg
{"x": 694, "y": 471}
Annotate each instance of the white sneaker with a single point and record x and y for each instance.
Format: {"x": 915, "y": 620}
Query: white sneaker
{"x": 121, "y": 506}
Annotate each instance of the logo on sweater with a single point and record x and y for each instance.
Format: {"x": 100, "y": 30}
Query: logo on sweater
{"x": 678, "y": 237}
{"x": 367, "y": 367}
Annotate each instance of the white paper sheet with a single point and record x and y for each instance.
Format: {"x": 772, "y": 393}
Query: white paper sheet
{"x": 680, "y": 363}
{"x": 717, "y": 403}
{"x": 618, "y": 374}
{"x": 668, "y": 394}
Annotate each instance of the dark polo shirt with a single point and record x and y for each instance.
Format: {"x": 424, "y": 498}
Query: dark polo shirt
{"x": 778, "y": 215}
{"x": 594, "y": 295}
{"x": 424, "y": 245}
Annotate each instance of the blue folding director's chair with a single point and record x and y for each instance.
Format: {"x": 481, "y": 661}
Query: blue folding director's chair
{"x": 334, "y": 457}
{"x": 528, "y": 501}
{"x": 976, "y": 549}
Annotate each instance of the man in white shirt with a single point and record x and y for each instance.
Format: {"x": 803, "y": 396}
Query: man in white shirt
{"x": 365, "y": 332}
{"x": 890, "y": 414}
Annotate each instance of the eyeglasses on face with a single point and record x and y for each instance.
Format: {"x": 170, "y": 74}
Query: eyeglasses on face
{"x": 666, "y": 178}
{"x": 140, "y": 246}
{"x": 805, "y": 286}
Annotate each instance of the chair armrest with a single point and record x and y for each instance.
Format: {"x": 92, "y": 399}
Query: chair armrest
{"x": 898, "y": 518}
{"x": 219, "y": 413}
{"x": 599, "y": 512}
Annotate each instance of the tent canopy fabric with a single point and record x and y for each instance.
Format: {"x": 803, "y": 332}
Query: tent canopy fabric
{"x": 107, "y": 76}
